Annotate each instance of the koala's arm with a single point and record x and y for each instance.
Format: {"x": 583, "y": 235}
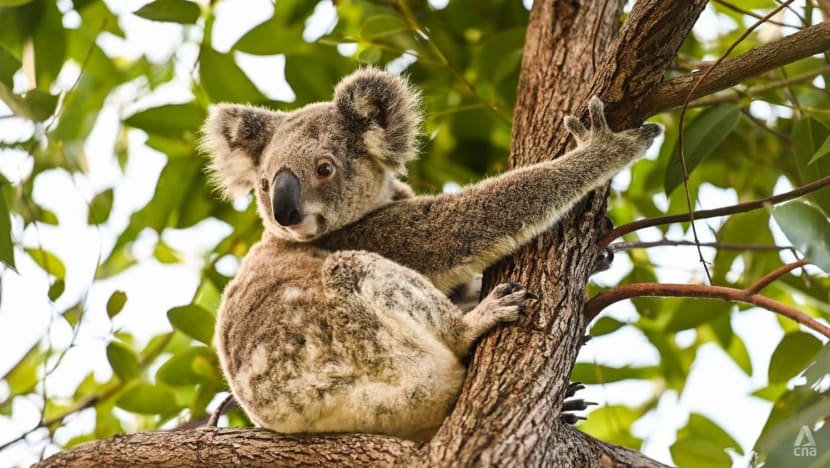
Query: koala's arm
{"x": 450, "y": 237}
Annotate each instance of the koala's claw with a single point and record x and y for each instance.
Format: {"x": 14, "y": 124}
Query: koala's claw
{"x": 574, "y": 404}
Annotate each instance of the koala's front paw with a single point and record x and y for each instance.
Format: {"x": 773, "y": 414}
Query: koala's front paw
{"x": 632, "y": 142}
{"x": 504, "y": 303}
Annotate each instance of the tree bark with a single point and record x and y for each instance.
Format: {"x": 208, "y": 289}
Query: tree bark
{"x": 509, "y": 409}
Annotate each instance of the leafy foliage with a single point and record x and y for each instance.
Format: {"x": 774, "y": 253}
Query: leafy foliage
{"x": 60, "y": 80}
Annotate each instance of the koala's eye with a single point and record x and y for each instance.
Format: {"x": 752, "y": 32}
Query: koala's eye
{"x": 263, "y": 184}
{"x": 325, "y": 169}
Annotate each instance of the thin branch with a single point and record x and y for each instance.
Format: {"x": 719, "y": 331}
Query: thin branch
{"x": 704, "y": 214}
{"x": 750, "y": 92}
{"x": 681, "y": 132}
{"x": 765, "y": 280}
{"x": 752, "y": 14}
{"x": 628, "y": 291}
{"x": 619, "y": 246}
{"x": 802, "y": 44}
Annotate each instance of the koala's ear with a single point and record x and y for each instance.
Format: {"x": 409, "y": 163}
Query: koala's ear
{"x": 386, "y": 110}
{"x": 234, "y": 136}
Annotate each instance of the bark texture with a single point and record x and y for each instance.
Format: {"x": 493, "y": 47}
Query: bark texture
{"x": 508, "y": 412}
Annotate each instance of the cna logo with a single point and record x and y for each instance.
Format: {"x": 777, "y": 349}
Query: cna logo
{"x": 805, "y": 443}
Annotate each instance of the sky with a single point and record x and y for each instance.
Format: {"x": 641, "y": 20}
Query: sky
{"x": 716, "y": 388}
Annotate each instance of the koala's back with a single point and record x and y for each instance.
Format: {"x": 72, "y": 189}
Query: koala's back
{"x": 301, "y": 360}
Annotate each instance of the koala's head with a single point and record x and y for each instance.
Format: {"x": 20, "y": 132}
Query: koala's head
{"x": 323, "y": 166}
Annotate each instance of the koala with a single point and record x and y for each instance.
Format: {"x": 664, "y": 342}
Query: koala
{"x": 338, "y": 319}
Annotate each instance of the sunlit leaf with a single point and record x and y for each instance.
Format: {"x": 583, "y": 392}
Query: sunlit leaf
{"x": 808, "y": 136}
{"x": 123, "y": 360}
{"x": 116, "y": 303}
{"x": 23, "y": 376}
{"x": 56, "y": 289}
{"x": 145, "y": 398}
{"x": 6, "y": 246}
{"x": 703, "y": 135}
{"x": 792, "y": 355}
{"x": 605, "y": 325}
{"x": 702, "y": 428}
{"x": 176, "y": 11}
{"x": 598, "y": 374}
{"x": 169, "y": 119}
{"x": 195, "y": 321}
{"x": 694, "y": 453}
{"x": 224, "y": 80}
{"x": 48, "y": 261}
{"x": 100, "y": 207}
{"x": 807, "y": 229}
{"x": 613, "y": 424}
{"x": 194, "y": 366}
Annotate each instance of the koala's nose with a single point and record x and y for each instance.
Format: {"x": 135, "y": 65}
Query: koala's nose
{"x": 285, "y": 199}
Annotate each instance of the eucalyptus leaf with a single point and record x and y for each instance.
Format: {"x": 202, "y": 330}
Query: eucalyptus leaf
{"x": 175, "y": 11}
{"x": 193, "y": 320}
{"x": 702, "y": 136}
{"x": 807, "y": 229}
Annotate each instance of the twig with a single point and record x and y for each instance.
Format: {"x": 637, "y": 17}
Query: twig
{"x": 765, "y": 280}
{"x": 704, "y": 214}
{"x": 802, "y": 44}
{"x": 760, "y": 89}
{"x": 602, "y": 300}
{"x": 681, "y": 154}
{"x": 618, "y": 246}
{"x": 753, "y": 14}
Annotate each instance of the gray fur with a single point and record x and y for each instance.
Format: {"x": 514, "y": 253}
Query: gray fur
{"x": 342, "y": 322}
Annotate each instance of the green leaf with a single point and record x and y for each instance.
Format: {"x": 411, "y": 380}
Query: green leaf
{"x": 605, "y": 325}
{"x": 115, "y": 303}
{"x": 9, "y": 64}
{"x": 739, "y": 354}
{"x": 699, "y": 453}
{"x": 23, "y": 377}
{"x": 193, "y": 366}
{"x": 702, "y": 136}
{"x": 13, "y": 3}
{"x": 691, "y": 314}
{"x": 194, "y": 321}
{"x": 792, "y": 355}
{"x": 6, "y": 246}
{"x": 590, "y": 373}
{"x": 56, "y": 289}
{"x": 808, "y": 136}
{"x": 175, "y": 11}
{"x": 807, "y": 229}
{"x": 224, "y": 80}
{"x": 145, "y": 398}
{"x": 272, "y": 37}
{"x": 821, "y": 152}
{"x": 169, "y": 120}
{"x": 100, "y": 207}
{"x": 702, "y": 428}
{"x": 382, "y": 25}
{"x": 49, "y": 40}
{"x": 123, "y": 361}
{"x": 48, "y": 261}
{"x": 613, "y": 424}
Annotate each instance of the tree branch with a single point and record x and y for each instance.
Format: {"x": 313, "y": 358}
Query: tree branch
{"x": 619, "y": 246}
{"x": 602, "y": 300}
{"x": 764, "y": 281}
{"x": 234, "y": 447}
{"x": 704, "y": 214}
{"x": 809, "y": 41}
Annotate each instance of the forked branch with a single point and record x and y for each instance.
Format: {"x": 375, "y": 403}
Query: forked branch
{"x": 704, "y": 214}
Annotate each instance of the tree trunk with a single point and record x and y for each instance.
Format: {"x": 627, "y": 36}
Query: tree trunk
{"x": 509, "y": 409}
